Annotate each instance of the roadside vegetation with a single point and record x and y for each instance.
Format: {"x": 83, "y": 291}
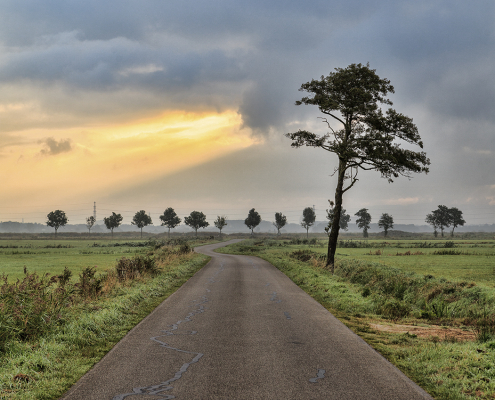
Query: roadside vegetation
{"x": 414, "y": 301}
{"x": 55, "y": 327}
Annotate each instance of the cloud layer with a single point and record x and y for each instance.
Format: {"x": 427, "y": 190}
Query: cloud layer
{"x": 67, "y": 68}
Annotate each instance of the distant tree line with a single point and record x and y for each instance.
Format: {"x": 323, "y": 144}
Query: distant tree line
{"x": 440, "y": 219}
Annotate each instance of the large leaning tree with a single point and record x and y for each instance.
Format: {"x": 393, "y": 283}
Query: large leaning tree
{"x": 360, "y": 133}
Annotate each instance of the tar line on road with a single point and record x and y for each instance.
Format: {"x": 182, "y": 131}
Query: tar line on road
{"x": 240, "y": 329}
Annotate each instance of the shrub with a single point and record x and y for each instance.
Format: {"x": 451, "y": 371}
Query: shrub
{"x": 132, "y": 268}
{"x": 89, "y": 285}
{"x": 31, "y": 306}
{"x": 306, "y": 255}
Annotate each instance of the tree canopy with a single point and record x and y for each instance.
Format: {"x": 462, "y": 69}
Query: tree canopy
{"x": 253, "y": 220}
{"x": 363, "y": 136}
{"x": 113, "y": 221}
{"x": 56, "y": 219}
{"x": 344, "y": 218}
{"x": 308, "y": 219}
{"x": 280, "y": 221}
{"x": 170, "y": 219}
{"x": 141, "y": 219}
{"x": 386, "y": 222}
{"x": 196, "y": 220}
{"x": 220, "y": 222}
{"x": 364, "y": 220}
{"x": 456, "y": 218}
{"x": 90, "y": 221}
{"x": 443, "y": 217}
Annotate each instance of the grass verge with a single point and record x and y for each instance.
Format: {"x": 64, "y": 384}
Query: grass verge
{"x": 420, "y": 325}
{"x": 46, "y": 366}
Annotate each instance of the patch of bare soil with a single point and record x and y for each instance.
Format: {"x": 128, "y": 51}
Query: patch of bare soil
{"x": 443, "y": 333}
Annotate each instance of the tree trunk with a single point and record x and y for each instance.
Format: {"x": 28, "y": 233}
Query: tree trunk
{"x": 141, "y": 233}
{"x": 168, "y": 233}
{"x": 307, "y": 232}
{"x": 334, "y": 232}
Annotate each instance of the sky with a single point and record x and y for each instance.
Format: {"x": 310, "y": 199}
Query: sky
{"x": 153, "y": 104}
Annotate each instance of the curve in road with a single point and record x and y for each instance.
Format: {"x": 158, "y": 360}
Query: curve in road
{"x": 240, "y": 329}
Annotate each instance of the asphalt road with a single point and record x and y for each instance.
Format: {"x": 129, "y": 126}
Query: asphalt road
{"x": 240, "y": 329}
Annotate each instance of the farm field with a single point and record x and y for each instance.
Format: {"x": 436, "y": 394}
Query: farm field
{"x": 467, "y": 260}
{"x": 52, "y": 256}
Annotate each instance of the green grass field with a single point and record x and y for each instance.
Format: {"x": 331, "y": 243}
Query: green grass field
{"x": 52, "y": 256}
{"x": 471, "y": 260}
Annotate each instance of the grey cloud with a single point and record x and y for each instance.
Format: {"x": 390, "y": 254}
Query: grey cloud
{"x": 52, "y": 147}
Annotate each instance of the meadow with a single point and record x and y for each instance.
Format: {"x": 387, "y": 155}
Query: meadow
{"x": 468, "y": 260}
{"x": 54, "y": 255}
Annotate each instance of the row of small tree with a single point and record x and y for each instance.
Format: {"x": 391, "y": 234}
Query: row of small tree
{"x": 441, "y": 218}
{"x": 169, "y": 218}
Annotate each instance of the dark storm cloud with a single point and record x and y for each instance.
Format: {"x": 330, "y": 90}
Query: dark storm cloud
{"x": 116, "y": 58}
{"x": 52, "y": 147}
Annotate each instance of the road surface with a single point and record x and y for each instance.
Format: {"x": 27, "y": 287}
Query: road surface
{"x": 240, "y": 329}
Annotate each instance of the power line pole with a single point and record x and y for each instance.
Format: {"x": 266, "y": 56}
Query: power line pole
{"x": 94, "y": 210}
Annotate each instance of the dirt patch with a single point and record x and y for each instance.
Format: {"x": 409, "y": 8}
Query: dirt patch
{"x": 444, "y": 333}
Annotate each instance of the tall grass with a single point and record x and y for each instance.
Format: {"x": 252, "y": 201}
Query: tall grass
{"x": 34, "y": 305}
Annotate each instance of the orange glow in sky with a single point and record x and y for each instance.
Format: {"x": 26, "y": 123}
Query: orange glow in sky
{"x": 111, "y": 158}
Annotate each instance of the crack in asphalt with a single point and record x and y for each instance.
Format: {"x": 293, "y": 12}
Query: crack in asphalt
{"x": 321, "y": 375}
{"x": 156, "y": 390}
{"x": 275, "y": 298}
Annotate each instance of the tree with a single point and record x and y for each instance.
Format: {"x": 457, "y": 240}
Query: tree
{"x": 90, "y": 221}
{"x": 56, "y": 219}
{"x": 170, "y": 219}
{"x": 431, "y": 220}
{"x": 280, "y": 221}
{"x": 456, "y": 218}
{"x": 364, "y": 220}
{"x": 366, "y": 138}
{"x": 113, "y": 221}
{"x": 308, "y": 219}
{"x": 344, "y": 218}
{"x": 196, "y": 220}
{"x": 386, "y": 222}
{"x": 141, "y": 219}
{"x": 440, "y": 219}
{"x": 220, "y": 222}
{"x": 253, "y": 220}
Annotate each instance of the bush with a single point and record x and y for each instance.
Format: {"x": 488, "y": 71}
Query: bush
{"x": 306, "y": 255}
{"x": 132, "y": 268}
{"x": 31, "y": 306}
{"x": 89, "y": 285}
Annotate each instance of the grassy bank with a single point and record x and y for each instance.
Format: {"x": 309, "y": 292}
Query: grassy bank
{"x": 44, "y": 365}
{"x": 439, "y": 331}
